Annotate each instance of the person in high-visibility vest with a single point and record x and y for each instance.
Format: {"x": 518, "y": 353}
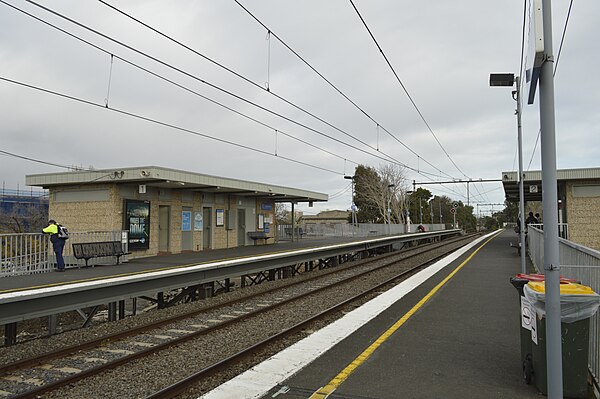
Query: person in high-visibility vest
{"x": 58, "y": 244}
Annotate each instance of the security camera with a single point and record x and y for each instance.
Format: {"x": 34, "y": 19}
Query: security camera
{"x": 144, "y": 173}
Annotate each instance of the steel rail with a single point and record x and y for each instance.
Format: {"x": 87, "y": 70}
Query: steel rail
{"x": 146, "y": 352}
{"x": 184, "y": 384}
{"x": 22, "y": 363}
{"x": 27, "y": 303}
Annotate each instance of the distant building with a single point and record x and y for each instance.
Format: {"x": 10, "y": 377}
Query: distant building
{"x": 328, "y": 217}
{"x": 578, "y": 200}
{"x": 22, "y": 211}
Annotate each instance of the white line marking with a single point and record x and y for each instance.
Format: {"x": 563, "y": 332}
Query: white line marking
{"x": 257, "y": 381}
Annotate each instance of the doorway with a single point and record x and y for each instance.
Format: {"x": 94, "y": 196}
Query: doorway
{"x": 241, "y": 227}
{"x": 206, "y": 229}
{"x": 164, "y": 226}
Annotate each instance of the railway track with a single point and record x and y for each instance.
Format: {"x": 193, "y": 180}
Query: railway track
{"x": 35, "y": 377}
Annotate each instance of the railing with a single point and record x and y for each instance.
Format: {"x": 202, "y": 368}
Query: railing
{"x": 581, "y": 263}
{"x": 32, "y": 253}
{"x": 23, "y": 254}
{"x": 348, "y": 230}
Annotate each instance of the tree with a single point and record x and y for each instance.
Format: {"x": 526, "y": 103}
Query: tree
{"x": 417, "y": 204}
{"x": 367, "y": 194}
{"x": 376, "y": 190}
{"x": 23, "y": 218}
{"x": 490, "y": 223}
{"x": 465, "y": 218}
{"x": 283, "y": 215}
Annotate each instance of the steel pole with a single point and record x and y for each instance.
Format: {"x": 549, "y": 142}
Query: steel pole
{"x": 521, "y": 190}
{"x": 550, "y": 201}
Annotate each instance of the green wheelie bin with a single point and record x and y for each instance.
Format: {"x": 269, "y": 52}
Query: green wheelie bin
{"x": 519, "y": 281}
{"x": 578, "y": 303}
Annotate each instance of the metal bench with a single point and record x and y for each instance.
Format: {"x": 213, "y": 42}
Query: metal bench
{"x": 299, "y": 232}
{"x": 89, "y": 250}
{"x": 258, "y": 235}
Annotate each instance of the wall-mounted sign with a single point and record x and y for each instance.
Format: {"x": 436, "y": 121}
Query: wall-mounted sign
{"x": 137, "y": 222}
{"x": 220, "y": 217}
{"x": 266, "y": 206}
{"x": 198, "y": 221}
{"x": 186, "y": 221}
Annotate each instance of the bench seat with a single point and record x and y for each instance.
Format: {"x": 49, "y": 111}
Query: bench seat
{"x": 258, "y": 235}
{"x": 89, "y": 250}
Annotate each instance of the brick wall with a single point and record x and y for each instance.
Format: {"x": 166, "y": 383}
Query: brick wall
{"x": 583, "y": 217}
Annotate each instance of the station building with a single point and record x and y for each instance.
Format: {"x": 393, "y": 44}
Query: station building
{"x": 166, "y": 210}
{"x": 578, "y": 200}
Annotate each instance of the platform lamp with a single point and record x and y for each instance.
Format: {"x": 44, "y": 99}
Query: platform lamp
{"x": 407, "y": 196}
{"x": 508, "y": 80}
{"x": 352, "y": 207}
{"x": 389, "y": 209}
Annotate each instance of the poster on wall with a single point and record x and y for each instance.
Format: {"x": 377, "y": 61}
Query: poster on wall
{"x": 186, "y": 221}
{"x": 198, "y": 221}
{"x": 137, "y": 222}
{"x": 220, "y": 217}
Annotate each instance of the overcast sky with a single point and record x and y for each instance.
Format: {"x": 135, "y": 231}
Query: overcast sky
{"x": 443, "y": 53}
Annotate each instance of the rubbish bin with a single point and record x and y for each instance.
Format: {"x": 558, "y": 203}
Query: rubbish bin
{"x": 519, "y": 281}
{"x": 578, "y": 303}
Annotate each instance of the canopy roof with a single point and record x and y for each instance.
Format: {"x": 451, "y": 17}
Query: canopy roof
{"x": 532, "y": 182}
{"x": 153, "y": 176}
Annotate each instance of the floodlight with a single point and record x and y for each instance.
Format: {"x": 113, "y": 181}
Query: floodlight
{"x": 502, "y": 79}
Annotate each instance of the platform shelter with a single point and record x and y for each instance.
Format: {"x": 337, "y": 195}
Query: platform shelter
{"x": 578, "y": 200}
{"x": 167, "y": 210}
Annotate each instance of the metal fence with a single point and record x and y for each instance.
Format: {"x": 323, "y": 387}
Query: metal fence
{"x": 23, "y": 254}
{"x": 349, "y": 230}
{"x": 581, "y": 263}
{"x": 32, "y": 253}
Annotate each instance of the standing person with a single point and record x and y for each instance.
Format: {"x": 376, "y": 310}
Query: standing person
{"x": 58, "y": 244}
{"x": 531, "y": 219}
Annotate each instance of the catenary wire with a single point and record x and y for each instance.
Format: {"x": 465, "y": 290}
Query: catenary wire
{"x": 268, "y": 89}
{"x": 420, "y": 172}
{"x": 10, "y": 154}
{"x": 165, "y": 124}
{"x": 295, "y": 53}
{"x": 179, "y": 85}
{"x": 406, "y": 90}
{"x": 388, "y": 159}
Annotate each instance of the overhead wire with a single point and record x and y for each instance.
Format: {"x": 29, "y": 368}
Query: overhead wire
{"x": 10, "y": 154}
{"x": 131, "y": 63}
{"x": 345, "y": 96}
{"x": 388, "y": 159}
{"x": 405, "y": 89}
{"x": 164, "y": 124}
{"x": 268, "y": 89}
{"x": 406, "y": 92}
{"x": 309, "y": 65}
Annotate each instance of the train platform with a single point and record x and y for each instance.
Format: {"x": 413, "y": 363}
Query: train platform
{"x": 149, "y": 264}
{"x": 450, "y": 331}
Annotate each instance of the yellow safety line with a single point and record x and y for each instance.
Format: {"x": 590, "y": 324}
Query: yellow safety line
{"x": 328, "y": 389}
{"x": 139, "y": 273}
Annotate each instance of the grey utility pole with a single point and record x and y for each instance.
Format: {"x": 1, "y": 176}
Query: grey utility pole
{"x": 550, "y": 201}
{"x": 521, "y": 190}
